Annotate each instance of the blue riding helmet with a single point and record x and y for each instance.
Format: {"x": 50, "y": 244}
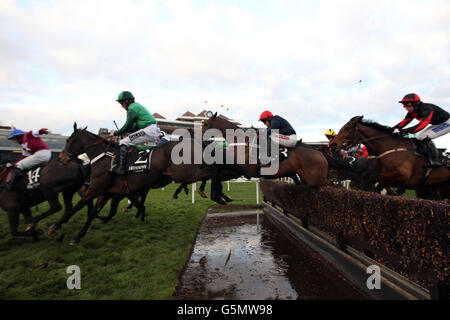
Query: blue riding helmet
{"x": 15, "y": 133}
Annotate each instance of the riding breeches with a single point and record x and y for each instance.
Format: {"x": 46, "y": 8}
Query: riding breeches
{"x": 145, "y": 135}
{"x": 283, "y": 140}
{"x": 434, "y": 131}
{"x": 39, "y": 157}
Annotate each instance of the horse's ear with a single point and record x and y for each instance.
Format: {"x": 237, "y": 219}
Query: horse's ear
{"x": 356, "y": 119}
{"x": 85, "y": 128}
{"x": 74, "y": 126}
{"x": 215, "y": 115}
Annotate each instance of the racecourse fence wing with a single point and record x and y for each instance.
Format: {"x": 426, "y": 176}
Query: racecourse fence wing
{"x": 409, "y": 236}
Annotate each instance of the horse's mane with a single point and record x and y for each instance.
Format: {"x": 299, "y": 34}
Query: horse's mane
{"x": 231, "y": 124}
{"x": 375, "y": 125}
{"x": 109, "y": 142}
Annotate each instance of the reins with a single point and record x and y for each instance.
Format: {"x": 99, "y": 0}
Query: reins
{"x": 361, "y": 140}
{"x": 72, "y": 156}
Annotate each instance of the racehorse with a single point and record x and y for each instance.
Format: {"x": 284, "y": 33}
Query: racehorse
{"x": 361, "y": 171}
{"x": 311, "y": 165}
{"x": 104, "y": 183}
{"x": 397, "y": 160}
{"x": 54, "y": 179}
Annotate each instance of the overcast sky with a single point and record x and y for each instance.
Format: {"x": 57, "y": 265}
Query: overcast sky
{"x": 315, "y": 63}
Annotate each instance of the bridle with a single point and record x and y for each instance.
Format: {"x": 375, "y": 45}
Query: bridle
{"x": 73, "y": 155}
{"x": 361, "y": 140}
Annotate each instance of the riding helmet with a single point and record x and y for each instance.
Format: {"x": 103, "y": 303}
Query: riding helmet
{"x": 266, "y": 115}
{"x": 410, "y": 97}
{"x": 15, "y": 133}
{"x": 125, "y": 95}
{"x": 330, "y": 133}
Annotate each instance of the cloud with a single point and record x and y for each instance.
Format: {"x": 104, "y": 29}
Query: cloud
{"x": 67, "y": 60}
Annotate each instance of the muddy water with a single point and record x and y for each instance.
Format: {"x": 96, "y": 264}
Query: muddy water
{"x": 233, "y": 258}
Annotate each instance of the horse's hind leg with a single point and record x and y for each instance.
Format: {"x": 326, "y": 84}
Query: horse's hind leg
{"x": 201, "y": 190}
{"x": 139, "y": 205}
{"x": 216, "y": 191}
{"x": 13, "y": 217}
{"x": 55, "y": 206}
{"x": 181, "y": 187}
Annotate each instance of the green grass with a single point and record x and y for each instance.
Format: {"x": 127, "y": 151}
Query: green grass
{"x": 123, "y": 259}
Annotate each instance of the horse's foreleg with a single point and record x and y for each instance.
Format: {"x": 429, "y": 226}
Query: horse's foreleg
{"x": 115, "y": 199}
{"x": 101, "y": 201}
{"x": 66, "y": 217}
{"x": 30, "y": 230}
{"x": 295, "y": 179}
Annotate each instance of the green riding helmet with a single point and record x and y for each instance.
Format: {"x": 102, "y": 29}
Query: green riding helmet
{"x": 125, "y": 95}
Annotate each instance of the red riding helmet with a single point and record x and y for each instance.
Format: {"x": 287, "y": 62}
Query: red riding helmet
{"x": 410, "y": 97}
{"x": 265, "y": 115}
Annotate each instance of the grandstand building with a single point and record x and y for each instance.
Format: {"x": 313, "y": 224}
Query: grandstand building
{"x": 10, "y": 151}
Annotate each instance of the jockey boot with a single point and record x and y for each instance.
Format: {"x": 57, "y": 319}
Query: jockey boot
{"x": 122, "y": 160}
{"x": 119, "y": 164}
{"x": 433, "y": 153}
{"x": 16, "y": 172}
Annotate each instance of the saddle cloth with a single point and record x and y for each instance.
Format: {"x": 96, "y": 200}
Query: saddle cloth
{"x": 138, "y": 161}
{"x": 32, "y": 177}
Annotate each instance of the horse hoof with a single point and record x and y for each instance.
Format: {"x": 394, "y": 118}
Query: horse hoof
{"x": 52, "y": 229}
{"x": 203, "y": 195}
{"x": 29, "y": 227}
{"x": 74, "y": 242}
{"x": 174, "y": 197}
{"x": 220, "y": 201}
{"x": 227, "y": 198}
{"x": 124, "y": 210}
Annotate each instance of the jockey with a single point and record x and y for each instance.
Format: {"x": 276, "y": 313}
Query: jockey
{"x": 286, "y": 135}
{"x": 359, "y": 150}
{"x": 35, "y": 152}
{"x": 141, "y": 126}
{"x": 330, "y": 134}
{"x": 433, "y": 122}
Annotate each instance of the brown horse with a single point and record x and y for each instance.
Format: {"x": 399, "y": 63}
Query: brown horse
{"x": 311, "y": 165}
{"x": 397, "y": 160}
{"x": 105, "y": 183}
{"x": 55, "y": 178}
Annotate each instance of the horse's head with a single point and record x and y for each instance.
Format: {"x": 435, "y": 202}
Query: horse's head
{"x": 347, "y": 134}
{"x": 74, "y": 145}
{"x": 218, "y": 122}
{"x": 210, "y": 123}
